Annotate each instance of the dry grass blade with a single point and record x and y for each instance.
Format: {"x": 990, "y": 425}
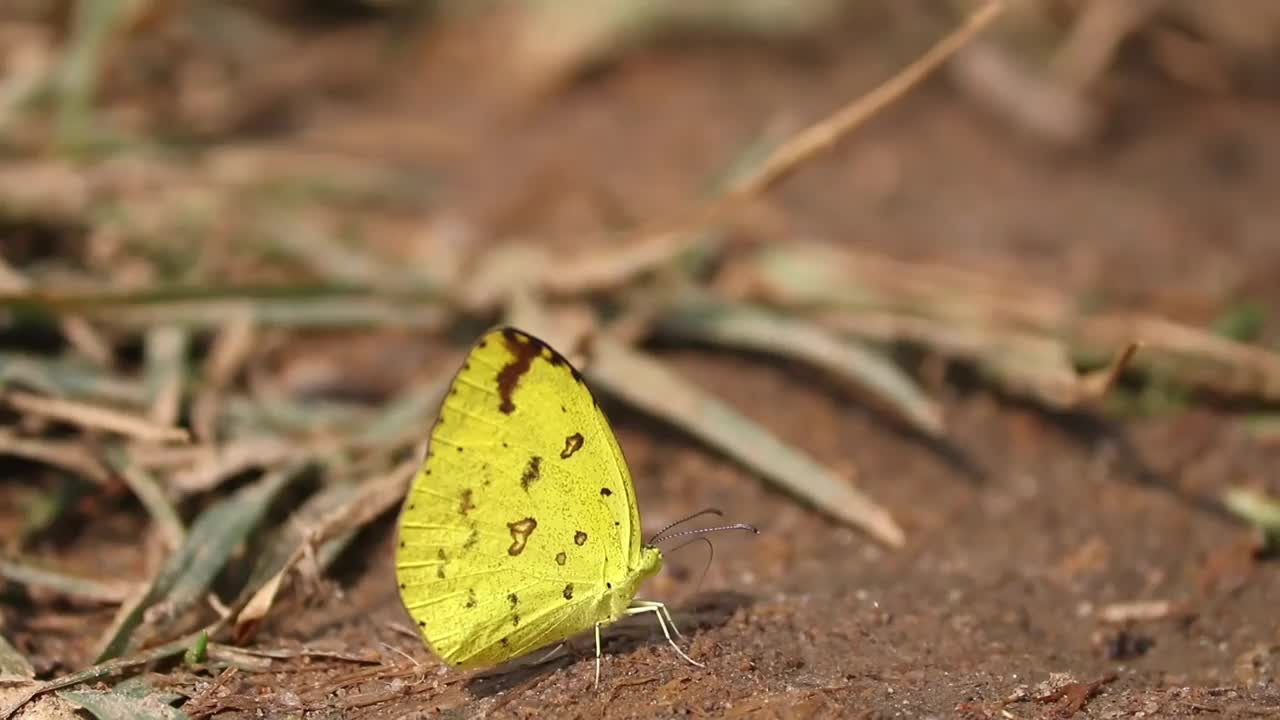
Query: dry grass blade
{"x": 231, "y": 348}
{"x": 1196, "y": 357}
{"x": 330, "y": 518}
{"x": 822, "y": 136}
{"x": 71, "y": 456}
{"x": 646, "y": 384}
{"x": 1098, "y": 383}
{"x": 653, "y": 247}
{"x": 1020, "y": 362}
{"x": 1141, "y": 611}
{"x": 214, "y": 535}
{"x": 814, "y": 276}
{"x": 761, "y": 330}
{"x": 151, "y": 496}
{"x": 217, "y": 465}
{"x": 313, "y": 246}
{"x": 269, "y": 573}
{"x": 101, "y": 591}
{"x": 1027, "y": 339}
{"x": 166, "y": 354}
{"x": 94, "y": 417}
{"x": 112, "y": 705}
{"x": 13, "y": 664}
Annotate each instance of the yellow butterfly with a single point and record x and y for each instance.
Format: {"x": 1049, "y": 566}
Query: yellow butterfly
{"x": 521, "y": 527}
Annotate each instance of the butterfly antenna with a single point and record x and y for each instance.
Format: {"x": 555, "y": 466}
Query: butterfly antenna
{"x": 711, "y": 553}
{"x": 709, "y": 511}
{"x": 718, "y": 528}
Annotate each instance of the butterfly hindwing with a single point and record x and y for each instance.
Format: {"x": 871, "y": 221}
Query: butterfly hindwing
{"x": 523, "y": 513}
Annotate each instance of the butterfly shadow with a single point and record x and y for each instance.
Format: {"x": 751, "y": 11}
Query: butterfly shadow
{"x": 702, "y": 611}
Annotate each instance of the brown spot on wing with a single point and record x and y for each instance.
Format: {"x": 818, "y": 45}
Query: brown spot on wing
{"x": 467, "y": 505}
{"x": 532, "y": 472}
{"x": 524, "y": 349}
{"x": 572, "y": 444}
{"x": 580, "y": 538}
{"x": 515, "y": 599}
{"x": 568, "y": 591}
{"x": 561, "y": 558}
{"x": 471, "y": 599}
{"x": 443, "y": 559}
{"x": 520, "y": 532}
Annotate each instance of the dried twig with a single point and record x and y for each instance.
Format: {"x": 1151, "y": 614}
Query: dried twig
{"x": 1141, "y": 611}
{"x": 651, "y": 247}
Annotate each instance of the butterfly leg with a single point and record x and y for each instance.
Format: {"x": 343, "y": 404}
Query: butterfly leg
{"x": 662, "y": 608}
{"x": 598, "y": 654}
{"x": 656, "y": 608}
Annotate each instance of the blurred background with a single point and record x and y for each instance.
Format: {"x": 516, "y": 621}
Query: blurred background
{"x": 994, "y": 371}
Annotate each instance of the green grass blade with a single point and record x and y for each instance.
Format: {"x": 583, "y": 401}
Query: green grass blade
{"x": 192, "y": 568}
{"x": 111, "y": 705}
{"x": 13, "y": 664}
{"x": 151, "y": 495}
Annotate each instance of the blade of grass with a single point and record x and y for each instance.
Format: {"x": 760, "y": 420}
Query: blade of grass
{"x": 1258, "y": 509}
{"x": 1195, "y": 357}
{"x": 207, "y": 308}
{"x": 71, "y": 456}
{"x": 112, "y": 705}
{"x": 268, "y": 575}
{"x": 92, "y": 26}
{"x": 42, "y": 512}
{"x": 653, "y": 247}
{"x": 104, "y": 670}
{"x": 214, "y": 535}
{"x": 227, "y": 461}
{"x": 78, "y": 332}
{"x": 166, "y": 354}
{"x": 407, "y": 416}
{"x": 68, "y": 377}
{"x": 646, "y": 384}
{"x": 13, "y": 664}
{"x": 151, "y": 496}
{"x": 329, "y": 525}
{"x": 230, "y": 350}
{"x": 313, "y": 247}
{"x": 95, "y": 417}
{"x": 25, "y": 573}
{"x": 760, "y": 330}
{"x": 138, "y": 687}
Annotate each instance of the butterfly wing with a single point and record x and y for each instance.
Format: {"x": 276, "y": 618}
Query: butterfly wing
{"x": 523, "y": 515}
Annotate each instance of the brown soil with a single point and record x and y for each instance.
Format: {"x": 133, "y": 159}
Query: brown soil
{"x": 1020, "y": 530}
